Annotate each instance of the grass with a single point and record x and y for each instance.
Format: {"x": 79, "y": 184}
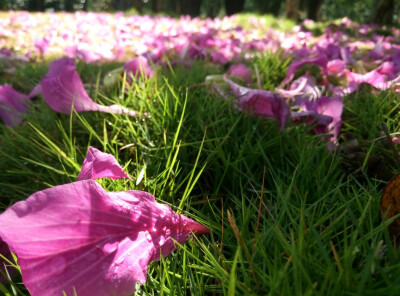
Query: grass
{"x": 288, "y": 216}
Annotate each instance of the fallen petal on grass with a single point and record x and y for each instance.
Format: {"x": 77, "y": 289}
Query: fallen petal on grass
{"x": 98, "y": 164}
{"x": 12, "y": 105}
{"x": 63, "y": 90}
{"x": 79, "y": 238}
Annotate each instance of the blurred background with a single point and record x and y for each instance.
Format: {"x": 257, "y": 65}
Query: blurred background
{"x": 374, "y": 11}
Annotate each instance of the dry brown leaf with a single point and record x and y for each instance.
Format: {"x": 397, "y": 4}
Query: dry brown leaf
{"x": 390, "y": 203}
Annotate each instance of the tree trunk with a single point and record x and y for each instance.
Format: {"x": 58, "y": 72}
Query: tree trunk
{"x": 314, "y": 9}
{"x": 69, "y": 5}
{"x": 272, "y": 7}
{"x": 157, "y": 5}
{"x": 382, "y": 12}
{"x": 87, "y": 6}
{"x": 292, "y": 9}
{"x": 234, "y": 6}
{"x": 190, "y": 7}
{"x": 35, "y": 5}
{"x": 137, "y": 4}
{"x": 119, "y": 5}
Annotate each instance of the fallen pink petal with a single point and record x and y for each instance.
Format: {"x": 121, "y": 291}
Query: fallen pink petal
{"x": 138, "y": 67}
{"x": 79, "y": 238}
{"x": 98, "y": 164}
{"x": 241, "y": 71}
{"x": 261, "y": 103}
{"x": 62, "y": 89}
{"x": 13, "y": 105}
{"x": 327, "y": 112}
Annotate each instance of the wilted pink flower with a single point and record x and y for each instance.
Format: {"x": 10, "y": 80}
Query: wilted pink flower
{"x": 325, "y": 113}
{"x": 378, "y": 51}
{"x": 218, "y": 57}
{"x": 302, "y": 87}
{"x": 42, "y": 44}
{"x": 261, "y": 103}
{"x": 62, "y": 89}
{"x": 12, "y": 105}
{"x": 375, "y": 78}
{"x": 320, "y": 61}
{"x": 138, "y": 66}
{"x": 98, "y": 164}
{"x": 241, "y": 71}
{"x": 346, "y": 55}
{"x": 335, "y": 67}
{"x": 79, "y": 239}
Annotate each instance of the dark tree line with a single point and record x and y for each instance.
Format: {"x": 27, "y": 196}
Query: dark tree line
{"x": 381, "y": 12}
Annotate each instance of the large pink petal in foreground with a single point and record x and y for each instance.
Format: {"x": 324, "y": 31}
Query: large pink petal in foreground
{"x": 78, "y": 237}
{"x": 98, "y": 164}
{"x": 12, "y": 105}
{"x": 62, "y": 89}
{"x": 261, "y": 103}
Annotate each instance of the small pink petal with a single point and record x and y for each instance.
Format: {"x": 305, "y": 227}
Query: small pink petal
{"x": 241, "y": 71}
{"x": 62, "y": 89}
{"x": 302, "y": 87}
{"x": 78, "y": 238}
{"x": 395, "y": 140}
{"x": 335, "y": 67}
{"x": 320, "y": 61}
{"x": 261, "y": 103}
{"x": 138, "y": 67}
{"x": 12, "y": 105}
{"x": 98, "y": 164}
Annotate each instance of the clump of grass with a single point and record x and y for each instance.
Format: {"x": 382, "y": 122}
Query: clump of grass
{"x": 272, "y": 69}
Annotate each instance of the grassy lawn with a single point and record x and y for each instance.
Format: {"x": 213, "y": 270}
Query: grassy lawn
{"x": 287, "y": 215}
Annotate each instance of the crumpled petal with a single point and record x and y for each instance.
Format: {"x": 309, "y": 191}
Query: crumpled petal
{"x": 261, "y": 103}
{"x": 333, "y": 107}
{"x": 325, "y": 113}
{"x": 78, "y": 238}
{"x": 12, "y": 105}
{"x": 138, "y": 66}
{"x": 302, "y": 87}
{"x": 241, "y": 71}
{"x": 98, "y": 164}
{"x": 62, "y": 89}
{"x": 320, "y": 61}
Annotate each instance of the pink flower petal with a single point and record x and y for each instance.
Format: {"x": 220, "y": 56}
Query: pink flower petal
{"x": 62, "y": 89}
{"x": 98, "y": 164}
{"x": 320, "y": 61}
{"x": 336, "y": 67}
{"x": 333, "y": 107}
{"x": 302, "y": 87}
{"x": 138, "y": 67}
{"x": 327, "y": 112}
{"x": 79, "y": 238}
{"x": 261, "y": 103}
{"x": 12, "y": 105}
{"x": 241, "y": 71}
